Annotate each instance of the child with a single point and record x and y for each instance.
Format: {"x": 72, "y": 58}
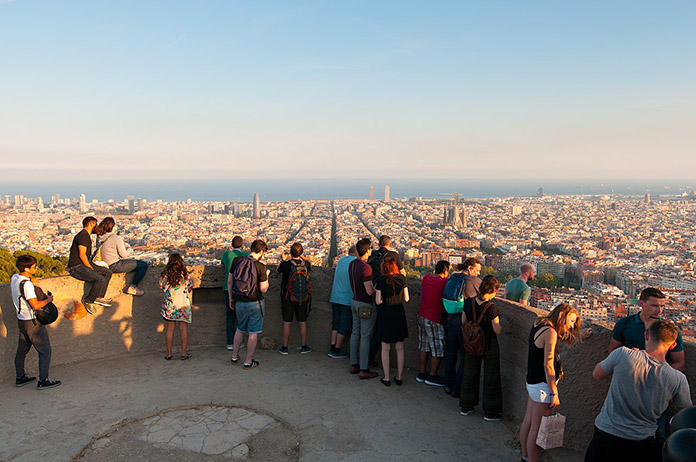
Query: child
{"x": 176, "y": 306}
{"x": 31, "y": 332}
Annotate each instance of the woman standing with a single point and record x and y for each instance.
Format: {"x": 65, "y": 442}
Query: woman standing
{"x": 481, "y": 309}
{"x": 176, "y": 306}
{"x": 544, "y": 371}
{"x": 391, "y": 294}
{"x": 113, "y": 252}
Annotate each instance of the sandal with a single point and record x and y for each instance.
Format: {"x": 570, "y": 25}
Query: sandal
{"x": 168, "y": 358}
{"x": 185, "y": 357}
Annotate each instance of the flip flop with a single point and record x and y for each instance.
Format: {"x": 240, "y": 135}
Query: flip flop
{"x": 188, "y": 355}
{"x": 168, "y": 358}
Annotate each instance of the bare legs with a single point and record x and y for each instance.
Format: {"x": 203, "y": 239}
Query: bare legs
{"x": 530, "y": 429}
{"x": 434, "y": 363}
{"x": 399, "y": 347}
{"x": 169, "y": 336}
{"x": 303, "y": 333}
{"x": 251, "y": 345}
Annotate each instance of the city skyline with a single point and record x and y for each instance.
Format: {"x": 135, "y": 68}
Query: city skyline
{"x": 315, "y": 90}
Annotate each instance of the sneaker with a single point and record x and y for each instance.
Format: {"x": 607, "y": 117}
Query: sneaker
{"x": 466, "y": 411}
{"x": 421, "y": 377}
{"x": 492, "y": 417}
{"x": 254, "y": 363}
{"x": 48, "y": 383}
{"x": 21, "y": 381}
{"x": 337, "y": 354}
{"x": 230, "y": 347}
{"x": 102, "y": 302}
{"x": 90, "y": 308}
{"x": 284, "y": 351}
{"x": 305, "y": 349}
{"x": 435, "y": 381}
{"x": 132, "y": 290}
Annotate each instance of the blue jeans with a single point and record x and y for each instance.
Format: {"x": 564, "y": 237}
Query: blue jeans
{"x": 362, "y": 333}
{"x": 128, "y": 265}
{"x": 455, "y": 349}
{"x": 250, "y": 316}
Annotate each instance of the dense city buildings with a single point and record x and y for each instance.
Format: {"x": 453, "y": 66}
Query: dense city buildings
{"x": 595, "y": 252}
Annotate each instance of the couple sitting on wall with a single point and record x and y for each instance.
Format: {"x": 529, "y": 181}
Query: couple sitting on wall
{"x": 110, "y": 256}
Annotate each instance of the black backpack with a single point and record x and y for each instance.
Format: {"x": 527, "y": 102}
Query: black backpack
{"x": 46, "y": 315}
{"x": 244, "y": 278}
{"x": 297, "y": 289}
{"x": 375, "y": 262}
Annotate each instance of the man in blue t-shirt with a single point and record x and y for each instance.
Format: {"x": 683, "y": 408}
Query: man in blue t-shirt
{"x": 630, "y": 331}
{"x": 341, "y": 297}
{"x": 517, "y": 289}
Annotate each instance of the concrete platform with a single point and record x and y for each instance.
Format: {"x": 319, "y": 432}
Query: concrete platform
{"x": 331, "y": 414}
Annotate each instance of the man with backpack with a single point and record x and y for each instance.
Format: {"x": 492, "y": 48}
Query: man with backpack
{"x": 462, "y": 284}
{"x": 31, "y": 332}
{"x": 247, "y": 282}
{"x": 295, "y": 297}
{"x": 226, "y": 260}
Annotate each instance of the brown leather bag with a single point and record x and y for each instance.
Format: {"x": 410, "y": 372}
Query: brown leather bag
{"x": 474, "y": 339}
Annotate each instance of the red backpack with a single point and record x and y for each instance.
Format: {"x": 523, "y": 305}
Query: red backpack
{"x": 474, "y": 339}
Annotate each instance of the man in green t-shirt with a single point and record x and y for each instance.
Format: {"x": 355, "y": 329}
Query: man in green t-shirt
{"x": 517, "y": 289}
{"x": 226, "y": 260}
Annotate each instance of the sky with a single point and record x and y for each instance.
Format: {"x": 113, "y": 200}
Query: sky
{"x": 113, "y": 90}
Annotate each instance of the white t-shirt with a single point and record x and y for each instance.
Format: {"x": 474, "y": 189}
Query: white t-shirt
{"x": 22, "y": 308}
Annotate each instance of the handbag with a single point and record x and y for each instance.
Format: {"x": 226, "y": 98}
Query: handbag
{"x": 364, "y": 312}
{"x": 551, "y": 431}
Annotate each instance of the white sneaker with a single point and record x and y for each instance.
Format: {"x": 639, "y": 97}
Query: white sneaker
{"x": 230, "y": 347}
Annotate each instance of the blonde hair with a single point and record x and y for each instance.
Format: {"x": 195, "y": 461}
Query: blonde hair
{"x": 558, "y": 320}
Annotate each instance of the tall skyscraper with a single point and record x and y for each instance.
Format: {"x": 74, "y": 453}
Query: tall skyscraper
{"x": 141, "y": 204}
{"x": 83, "y": 204}
{"x": 647, "y": 198}
{"x": 130, "y": 202}
{"x": 386, "y": 193}
{"x": 372, "y": 192}
{"x": 257, "y": 206}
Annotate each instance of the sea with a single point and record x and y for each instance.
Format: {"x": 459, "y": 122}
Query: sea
{"x": 279, "y": 190}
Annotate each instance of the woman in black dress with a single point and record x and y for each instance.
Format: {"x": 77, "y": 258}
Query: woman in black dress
{"x": 391, "y": 294}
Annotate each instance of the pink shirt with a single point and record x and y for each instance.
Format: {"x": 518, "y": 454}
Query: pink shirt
{"x": 431, "y": 298}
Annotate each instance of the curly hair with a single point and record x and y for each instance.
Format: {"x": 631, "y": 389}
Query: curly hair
{"x": 175, "y": 272}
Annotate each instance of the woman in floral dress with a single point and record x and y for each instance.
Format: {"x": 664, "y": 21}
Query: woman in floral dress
{"x": 176, "y": 306}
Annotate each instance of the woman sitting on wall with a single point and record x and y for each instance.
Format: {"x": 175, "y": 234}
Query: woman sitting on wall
{"x": 112, "y": 252}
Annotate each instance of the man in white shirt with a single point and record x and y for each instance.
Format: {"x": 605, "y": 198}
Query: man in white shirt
{"x": 31, "y": 332}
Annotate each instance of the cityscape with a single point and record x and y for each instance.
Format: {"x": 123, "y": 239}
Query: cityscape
{"x": 594, "y": 251}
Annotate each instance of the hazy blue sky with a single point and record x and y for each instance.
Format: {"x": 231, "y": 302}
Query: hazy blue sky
{"x": 348, "y": 88}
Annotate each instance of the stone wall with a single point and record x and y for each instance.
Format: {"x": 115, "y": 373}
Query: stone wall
{"x": 133, "y": 324}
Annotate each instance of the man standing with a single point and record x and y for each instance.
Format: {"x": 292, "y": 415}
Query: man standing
{"x": 363, "y": 310}
{"x": 431, "y": 324}
{"x": 517, "y": 289}
{"x": 247, "y": 283}
{"x": 226, "y": 260}
{"x": 471, "y": 268}
{"x": 642, "y": 386}
{"x": 341, "y": 297}
{"x": 295, "y": 298}
{"x": 80, "y": 267}
{"x": 31, "y": 333}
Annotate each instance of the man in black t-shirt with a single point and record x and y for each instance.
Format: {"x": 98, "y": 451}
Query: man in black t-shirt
{"x": 80, "y": 267}
{"x": 249, "y": 309}
{"x": 296, "y": 268}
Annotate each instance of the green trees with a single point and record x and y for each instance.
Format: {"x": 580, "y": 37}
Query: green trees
{"x": 48, "y": 266}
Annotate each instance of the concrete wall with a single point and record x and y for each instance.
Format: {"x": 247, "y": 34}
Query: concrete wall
{"x": 133, "y": 324}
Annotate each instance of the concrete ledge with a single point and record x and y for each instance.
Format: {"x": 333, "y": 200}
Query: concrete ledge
{"x": 134, "y": 325}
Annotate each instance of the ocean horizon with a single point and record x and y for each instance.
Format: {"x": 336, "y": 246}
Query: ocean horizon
{"x": 280, "y": 190}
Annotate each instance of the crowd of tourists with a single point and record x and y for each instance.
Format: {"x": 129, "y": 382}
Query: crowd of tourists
{"x": 458, "y": 320}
